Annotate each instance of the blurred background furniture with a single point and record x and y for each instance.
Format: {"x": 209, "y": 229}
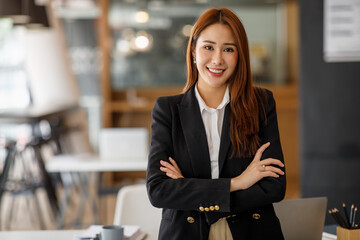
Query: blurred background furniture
{"x": 20, "y": 186}
{"x": 76, "y": 172}
{"x": 36, "y": 117}
{"x": 302, "y": 218}
{"x": 121, "y": 150}
{"x": 134, "y": 208}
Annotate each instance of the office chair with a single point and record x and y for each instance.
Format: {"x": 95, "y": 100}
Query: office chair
{"x": 120, "y": 144}
{"x": 133, "y": 208}
{"x": 302, "y": 218}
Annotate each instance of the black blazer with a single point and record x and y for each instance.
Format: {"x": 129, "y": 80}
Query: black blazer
{"x": 190, "y": 205}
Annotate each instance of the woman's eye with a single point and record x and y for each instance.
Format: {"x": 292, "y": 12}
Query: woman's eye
{"x": 229, "y": 50}
{"x": 208, "y": 47}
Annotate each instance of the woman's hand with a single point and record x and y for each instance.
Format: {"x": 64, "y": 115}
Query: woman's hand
{"x": 171, "y": 169}
{"x": 257, "y": 170}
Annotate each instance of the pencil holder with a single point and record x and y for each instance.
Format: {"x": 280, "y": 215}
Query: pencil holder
{"x": 347, "y": 234}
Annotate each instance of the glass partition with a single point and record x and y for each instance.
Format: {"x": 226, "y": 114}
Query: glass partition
{"x": 150, "y": 40}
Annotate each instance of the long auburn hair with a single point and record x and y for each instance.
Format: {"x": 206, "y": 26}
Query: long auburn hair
{"x": 245, "y": 100}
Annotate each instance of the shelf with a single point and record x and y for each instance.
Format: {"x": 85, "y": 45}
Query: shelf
{"x": 78, "y": 13}
{"x": 124, "y": 106}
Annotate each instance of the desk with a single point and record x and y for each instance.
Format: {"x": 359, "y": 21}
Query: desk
{"x": 55, "y": 235}
{"x": 33, "y": 115}
{"x": 92, "y": 163}
{"x": 68, "y": 165}
{"x": 69, "y": 235}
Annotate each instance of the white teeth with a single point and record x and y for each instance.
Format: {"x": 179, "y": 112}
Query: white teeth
{"x": 215, "y": 70}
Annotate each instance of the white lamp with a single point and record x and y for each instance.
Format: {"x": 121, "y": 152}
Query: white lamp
{"x": 50, "y": 79}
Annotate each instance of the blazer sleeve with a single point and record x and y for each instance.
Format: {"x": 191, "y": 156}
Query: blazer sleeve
{"x": 269, "y": 189}
{"x": 180, "y": 194}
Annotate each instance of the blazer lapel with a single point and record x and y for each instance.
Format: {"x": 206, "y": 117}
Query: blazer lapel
{"x": 195, "y": 135}
{"x": 225, "y": 141}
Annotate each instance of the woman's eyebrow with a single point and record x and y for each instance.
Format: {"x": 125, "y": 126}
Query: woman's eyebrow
{"x": 208, "y": 41}
{"x": 212, "y": 42}
{"x": 232, "y": 44}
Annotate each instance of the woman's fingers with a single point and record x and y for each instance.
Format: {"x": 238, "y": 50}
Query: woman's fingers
{"x": 167, "y": 165}
{"x": 272, "y": 169}
{"x": 271, "y": 174}
{"x": 173, "y": 176}
{"x": 257, "y": 170}
{"x": 271, "y": 161}
{"x": 170, "y": 173}
{"x": 171, "y": 169}
{"x": 174, "y": 164}
{"x": 260, "y": 151}
{"x": 267, "y": 165}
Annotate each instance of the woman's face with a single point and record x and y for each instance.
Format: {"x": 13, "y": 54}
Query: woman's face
{"x": 216, "y": 56}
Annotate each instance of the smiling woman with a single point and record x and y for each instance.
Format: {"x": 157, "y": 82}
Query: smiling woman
{"x": 216, "y": 60}
{"x": 215, "y": 162}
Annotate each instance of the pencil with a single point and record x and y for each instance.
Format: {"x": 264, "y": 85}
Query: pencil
{"x": 334, "y": 217}
{"x": 337, "y": 217}
{"x": 351, "y": 213}
{"x": 341, "y": 219}
{"x": 353, "y": 220}
{"x": 346, "y": 214}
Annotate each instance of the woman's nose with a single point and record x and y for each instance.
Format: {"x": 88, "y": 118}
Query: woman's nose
{"x": 217, "y": 58}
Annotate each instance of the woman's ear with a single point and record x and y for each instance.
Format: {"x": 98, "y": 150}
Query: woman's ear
{"x": 193, "y": 56}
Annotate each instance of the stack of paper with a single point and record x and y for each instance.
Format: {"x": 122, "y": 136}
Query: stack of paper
{"x": 328, "y": 236}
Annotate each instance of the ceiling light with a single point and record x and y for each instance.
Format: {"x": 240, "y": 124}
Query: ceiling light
{"x": 142, "y": 17}
{"x": 186, "y": 30}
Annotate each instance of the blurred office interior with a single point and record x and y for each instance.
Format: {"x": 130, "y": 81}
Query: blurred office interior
{"x": 112, "y": 58}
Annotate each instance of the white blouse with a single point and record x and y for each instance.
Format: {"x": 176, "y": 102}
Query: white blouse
{"x": 213, "y": 121}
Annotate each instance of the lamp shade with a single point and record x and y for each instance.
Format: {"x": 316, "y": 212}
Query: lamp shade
{"x": 24, "y": 11}
{"x": 50, "y": 78}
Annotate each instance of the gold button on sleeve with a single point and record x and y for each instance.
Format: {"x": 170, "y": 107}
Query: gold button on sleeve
{"x": 190, "y": 220}
{"x": 212, "y": 208}
{"x": 201, "y": 208}
{"x": 217, "y": 208}
{"x": 256, "y": 216}
{"x": 207, "y": 209}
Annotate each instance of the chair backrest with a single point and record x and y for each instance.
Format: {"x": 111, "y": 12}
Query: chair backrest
{"x": 134, "y": 208}
{"x": 302, "y": 218}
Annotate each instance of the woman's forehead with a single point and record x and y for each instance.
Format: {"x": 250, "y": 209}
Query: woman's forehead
{"x": 217, "y": 33}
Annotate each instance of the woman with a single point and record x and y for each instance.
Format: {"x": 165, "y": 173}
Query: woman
{"x": 215, "y": 161}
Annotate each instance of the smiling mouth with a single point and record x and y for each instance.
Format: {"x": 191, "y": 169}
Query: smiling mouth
{"x": 216, "y": 70}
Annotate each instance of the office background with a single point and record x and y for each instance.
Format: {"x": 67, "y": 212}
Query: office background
{"x": 329, "y": 116}
{"x": 122, "y": 54}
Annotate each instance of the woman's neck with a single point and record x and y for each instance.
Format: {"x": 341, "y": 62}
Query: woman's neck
{"x": 212, "y": 96}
